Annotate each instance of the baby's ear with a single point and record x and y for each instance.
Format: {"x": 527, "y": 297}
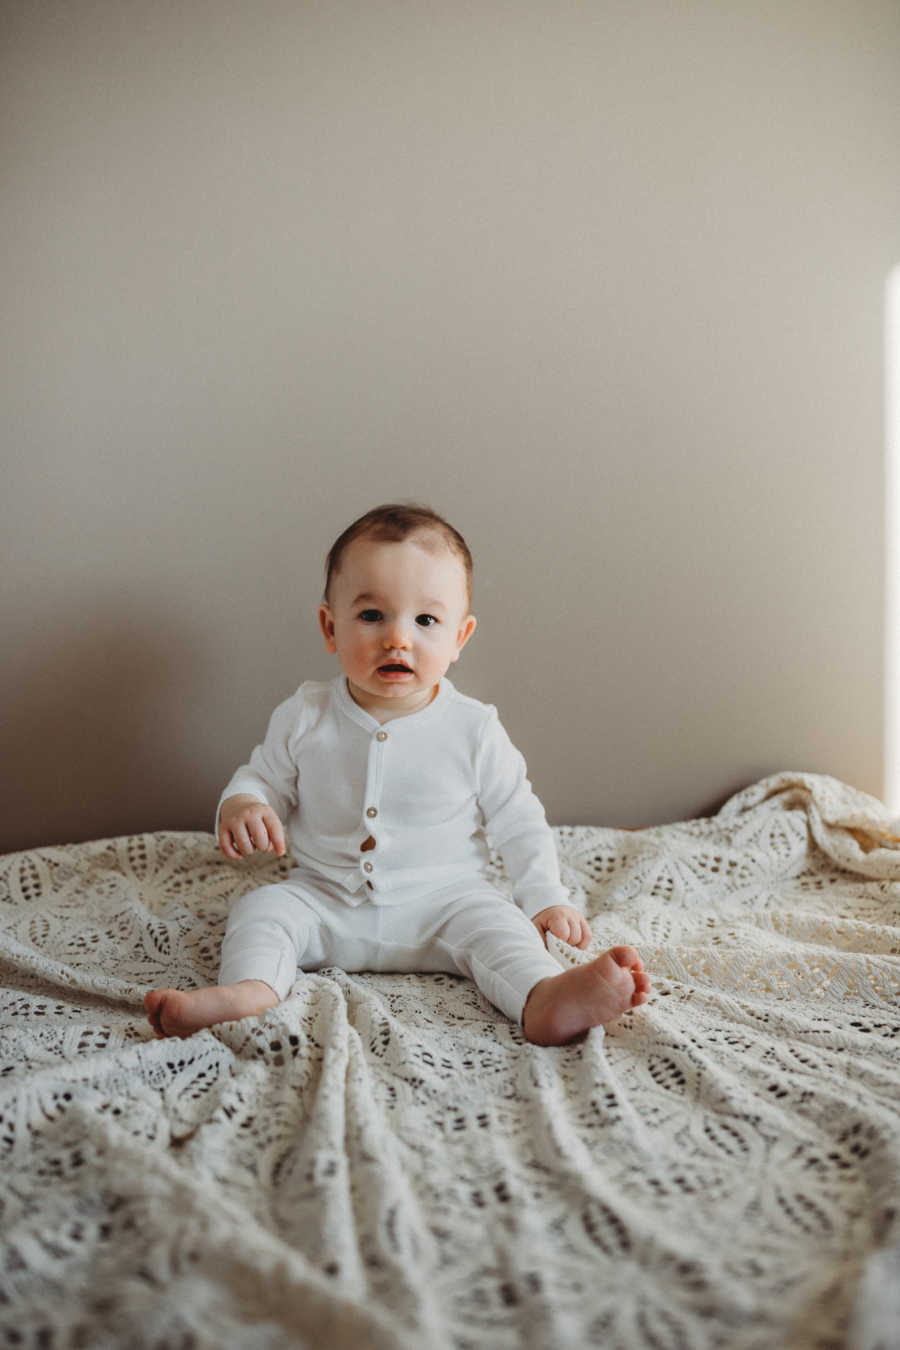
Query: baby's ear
{"x": 326, "y": 623}
{"x": 465, "y": 631}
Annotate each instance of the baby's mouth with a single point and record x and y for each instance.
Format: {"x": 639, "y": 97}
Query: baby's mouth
{"x": 395, "y": 668}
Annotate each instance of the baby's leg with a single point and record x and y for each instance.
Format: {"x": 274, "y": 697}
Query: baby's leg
{"x": 493, "y": 942}
{"x": 484, "y": 936}
{"x": 267, "y": 930}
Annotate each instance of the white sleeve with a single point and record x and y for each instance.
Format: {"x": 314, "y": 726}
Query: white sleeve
{"x": 515, "y": 822}
{"x": 271, "y": 774}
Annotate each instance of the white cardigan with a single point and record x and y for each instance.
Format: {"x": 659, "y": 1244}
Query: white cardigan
{"x": 428, "y": 788}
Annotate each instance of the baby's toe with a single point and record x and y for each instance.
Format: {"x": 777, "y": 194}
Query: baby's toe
{"x": 154, "y": 1002}
{"x": 627, "y": 957}
{"x": 641, "y": 990}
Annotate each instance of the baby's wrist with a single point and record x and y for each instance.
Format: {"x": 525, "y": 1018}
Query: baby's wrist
{"x": 236, "y": 804}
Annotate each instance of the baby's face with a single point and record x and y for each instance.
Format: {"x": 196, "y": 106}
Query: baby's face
{"x": 398, "y": 617}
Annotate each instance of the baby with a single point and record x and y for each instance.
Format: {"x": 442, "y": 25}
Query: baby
{"x": 387, "y": 783}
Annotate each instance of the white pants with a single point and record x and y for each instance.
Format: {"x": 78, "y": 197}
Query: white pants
{"x": 467, "y": 929}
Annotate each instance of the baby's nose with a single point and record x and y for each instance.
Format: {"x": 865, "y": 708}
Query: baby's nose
{"x": 397, "y": 636}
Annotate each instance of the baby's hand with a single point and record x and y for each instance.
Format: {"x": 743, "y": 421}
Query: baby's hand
{"x": 245, "y": 824}
{"x": 565, "y": 923}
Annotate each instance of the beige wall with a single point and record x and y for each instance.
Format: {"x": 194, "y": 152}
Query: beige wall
{"x": 604, "y": 282}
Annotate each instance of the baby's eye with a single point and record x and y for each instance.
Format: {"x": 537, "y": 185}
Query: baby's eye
{"x": 425, "y": 620}
{"x": 371, "y": 615}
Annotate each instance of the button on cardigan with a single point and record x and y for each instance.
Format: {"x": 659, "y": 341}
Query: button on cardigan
{"x": 431, "y": 789}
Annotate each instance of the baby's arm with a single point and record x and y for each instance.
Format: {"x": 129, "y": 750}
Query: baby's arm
{"x": 261, "y": 794}
{"x": 245, "y": 824}
{"x": 517, "y": 826}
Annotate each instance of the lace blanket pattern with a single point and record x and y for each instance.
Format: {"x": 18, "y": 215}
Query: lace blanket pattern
{"x": 382, "y": 1161}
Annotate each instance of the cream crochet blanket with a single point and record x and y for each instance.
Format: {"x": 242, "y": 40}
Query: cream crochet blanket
{"x": 383, "y": 1162}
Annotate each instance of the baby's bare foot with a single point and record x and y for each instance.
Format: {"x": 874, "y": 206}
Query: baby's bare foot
{"x": 176, "y": 1012}
{"x": 562, "y": 1006}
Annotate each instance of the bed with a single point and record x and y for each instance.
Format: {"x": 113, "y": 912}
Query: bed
{"x": 382, "y": 1161}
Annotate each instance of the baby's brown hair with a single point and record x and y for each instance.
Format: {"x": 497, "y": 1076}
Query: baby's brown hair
{"x": 392, "y": 524}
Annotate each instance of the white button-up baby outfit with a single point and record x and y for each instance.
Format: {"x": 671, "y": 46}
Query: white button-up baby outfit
{"x": 389, "y": 826}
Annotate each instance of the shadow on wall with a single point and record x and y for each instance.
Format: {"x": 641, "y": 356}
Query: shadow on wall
{"x": 97, "y": 726}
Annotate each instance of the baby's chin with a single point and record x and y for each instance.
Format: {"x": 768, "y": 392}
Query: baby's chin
{"x": 400, "y": 694}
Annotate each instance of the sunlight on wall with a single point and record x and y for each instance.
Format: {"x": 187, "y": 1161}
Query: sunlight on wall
{"x": 892, "y": 544}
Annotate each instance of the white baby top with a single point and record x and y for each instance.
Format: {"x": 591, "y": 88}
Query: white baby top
{"x": 431, "y": 789}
